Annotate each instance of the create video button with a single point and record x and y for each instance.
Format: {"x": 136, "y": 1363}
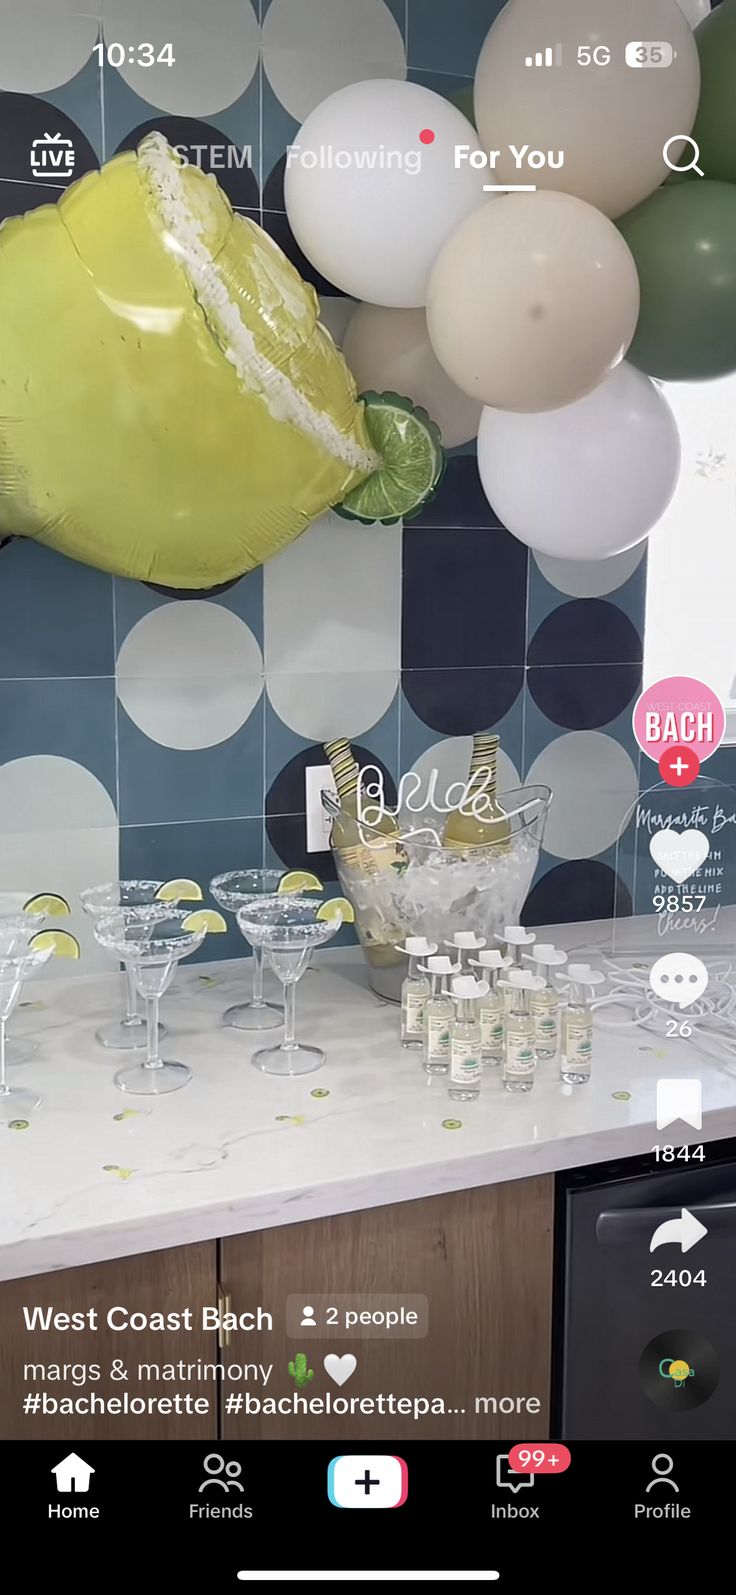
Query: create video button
{"x": 364, "y": 1482}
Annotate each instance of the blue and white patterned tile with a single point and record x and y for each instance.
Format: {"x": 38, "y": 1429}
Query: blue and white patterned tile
{"x": 70, "y": 719}
{"x": 212, "y": 55}
{"x": 44, "y": 45}
{"x": 450, "y": 614}
{"x": 313, "y": 48}
{"x": 421, "y": 749}
{"x": 609, "y": 686}
{"x": 56, "y": 617}
{"x": 621, "y": 580}
{"x": 443, "y": 39}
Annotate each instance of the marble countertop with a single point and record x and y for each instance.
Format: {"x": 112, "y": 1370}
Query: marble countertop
{"x": 100, "y": 1175}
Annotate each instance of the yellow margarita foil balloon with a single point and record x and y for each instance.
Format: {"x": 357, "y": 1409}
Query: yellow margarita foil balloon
{"x": 170, "y": 407}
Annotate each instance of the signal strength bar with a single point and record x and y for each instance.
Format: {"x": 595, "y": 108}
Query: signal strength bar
{"x": 552, "y": 56}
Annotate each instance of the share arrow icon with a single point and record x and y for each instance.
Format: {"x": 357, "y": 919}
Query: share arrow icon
{"x": 684, "y": 1232}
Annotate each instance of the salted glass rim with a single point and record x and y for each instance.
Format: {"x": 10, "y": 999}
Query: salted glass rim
{"x": 32, "y": 956}
{"x": 282, "y": 934}
{"x": 172, "y": 946}
{"x": 89, "y": 893}
{"x": 222, "y": 892}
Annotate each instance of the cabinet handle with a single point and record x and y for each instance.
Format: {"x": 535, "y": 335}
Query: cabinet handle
{"x": 224, "y": 1305}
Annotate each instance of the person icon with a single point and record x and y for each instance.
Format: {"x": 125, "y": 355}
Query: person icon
{"x": 662, "y": 1473}
{"x": 214, "y": 1465}
{"x": 308, "y": 1320}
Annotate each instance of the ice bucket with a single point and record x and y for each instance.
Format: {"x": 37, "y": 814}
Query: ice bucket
{"x": 438, "y": 890}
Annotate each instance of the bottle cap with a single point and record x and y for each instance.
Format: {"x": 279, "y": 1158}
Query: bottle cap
{"x": 583, "y": 975}
{"x": 466, "y": 938}
{"x": 545, "y": 953}
{"x": 523, "y": 980}
{"x": 418, "y": 947}
{"x": 516, "y": 936}
{"x": 466, "y": 986}
{"x": 442, "y": 966}
{"x": 491, "y": 959}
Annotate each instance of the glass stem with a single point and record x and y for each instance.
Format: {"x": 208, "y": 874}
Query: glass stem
{"x": 4, "y": 1087}
{"x": 131, "y": 1016}
{"x": 257, "y": 998}
{"x": 153, "y": 1060}
{"x": 289, "y": 1042}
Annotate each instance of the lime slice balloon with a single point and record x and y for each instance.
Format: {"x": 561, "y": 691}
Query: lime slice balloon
{"x": 412, "y": 462}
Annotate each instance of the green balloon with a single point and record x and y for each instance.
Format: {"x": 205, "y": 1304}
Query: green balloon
{"x": 683, "y": 241}
{"x": 715, "y": 127}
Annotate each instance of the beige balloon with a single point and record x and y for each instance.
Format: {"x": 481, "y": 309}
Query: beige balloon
{"x": 609, "y": 120}
{"x": 390, "y": 349}
{"x": 532, "y": 301}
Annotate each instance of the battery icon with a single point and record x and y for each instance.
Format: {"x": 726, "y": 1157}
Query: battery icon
{"x": 648, "y": 52}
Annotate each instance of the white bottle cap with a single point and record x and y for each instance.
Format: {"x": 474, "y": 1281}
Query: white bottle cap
{"x": 583, "y": 975}
{"x": 491, "y": 959}
{"x": 516, "y": 936}
{"x": 523, "y": 980}
{"x": 442, "y": 966}
{"x": 545, "y": 953}
{"x": 466, "y": 986}
{"x": 466, "y": 938}
{"x": 418, "y": 947}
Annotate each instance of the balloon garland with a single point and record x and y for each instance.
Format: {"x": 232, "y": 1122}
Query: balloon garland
{"x": 174, "y": 410}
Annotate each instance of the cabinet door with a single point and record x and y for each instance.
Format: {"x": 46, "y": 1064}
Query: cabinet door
{"x": 484, "y": 1260}
{"x": 164, "y": 1282}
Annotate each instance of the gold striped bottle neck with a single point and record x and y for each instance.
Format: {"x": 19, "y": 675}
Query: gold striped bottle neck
{"x": 344, "y": 767}
{"x": 485, "y": 753}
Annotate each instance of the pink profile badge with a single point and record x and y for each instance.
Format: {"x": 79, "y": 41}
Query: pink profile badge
{"x": 679, "y": 712}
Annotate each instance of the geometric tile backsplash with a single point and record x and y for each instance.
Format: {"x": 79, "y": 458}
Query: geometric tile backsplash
{"x": 166, "y": 734}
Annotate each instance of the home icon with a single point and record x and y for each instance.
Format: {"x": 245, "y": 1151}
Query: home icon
{"x": 72, "y": 1475}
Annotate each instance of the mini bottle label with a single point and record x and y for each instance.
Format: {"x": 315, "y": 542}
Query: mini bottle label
{"x": 545, "y": 1011}
{"x": 579, "y": 1042}
{"x": 414, "y": 1015}
{"x": 438, "y": 1037}
{"x": 464, "y": 1063}
{"x": 519, "y": 1055}
{"x": 491, "y": 1031}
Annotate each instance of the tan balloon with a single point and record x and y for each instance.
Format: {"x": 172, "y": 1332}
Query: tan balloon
{"x": 610, "y": 120}
{"x": 390, "y": 349}
{"x": 532, "y": 301}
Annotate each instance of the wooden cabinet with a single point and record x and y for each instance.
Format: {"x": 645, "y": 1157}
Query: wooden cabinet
{"x": 483, "y": 1258}
{"x": 167, "y": 1281}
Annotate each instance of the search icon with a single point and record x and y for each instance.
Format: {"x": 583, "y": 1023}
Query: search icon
{"x": 692, "y": 166}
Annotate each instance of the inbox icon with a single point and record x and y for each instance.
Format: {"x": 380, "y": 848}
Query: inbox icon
{"x": 367, "y": 1483}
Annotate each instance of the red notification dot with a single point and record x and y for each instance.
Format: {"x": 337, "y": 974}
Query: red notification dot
{"x": 426, "y": 136}
{"x": 679, "y": 766}
{"x": 534, "y": 1458}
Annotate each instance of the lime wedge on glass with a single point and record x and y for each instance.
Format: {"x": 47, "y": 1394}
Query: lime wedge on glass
{"x": 413, "y": 462}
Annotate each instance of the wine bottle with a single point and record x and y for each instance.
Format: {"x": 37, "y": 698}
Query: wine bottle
{"x": 357, "y": 843}
{"x": 480, "y": 822}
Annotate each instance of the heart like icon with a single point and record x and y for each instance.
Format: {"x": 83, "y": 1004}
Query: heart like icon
{"x": 341, "y": 1368}
{"x": 679, "y": 853}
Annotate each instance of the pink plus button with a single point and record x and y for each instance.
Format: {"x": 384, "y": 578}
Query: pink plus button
{"x": 679, "y": 713}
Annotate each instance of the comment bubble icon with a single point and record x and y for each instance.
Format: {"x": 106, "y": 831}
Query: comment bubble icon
{"x": 678, "y": 978}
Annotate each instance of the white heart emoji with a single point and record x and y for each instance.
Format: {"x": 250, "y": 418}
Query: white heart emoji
{"x": 341, "y": 1368}
{"x": 679, "y": 853}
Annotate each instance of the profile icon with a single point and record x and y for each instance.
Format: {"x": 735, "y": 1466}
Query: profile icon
{"x": 308, "y": 1319}
{"x": 662, "y": 1466}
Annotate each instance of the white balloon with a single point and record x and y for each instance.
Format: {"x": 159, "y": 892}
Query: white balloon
{"x": 694, "y": 10}
{"x": 587, "y": 481}
{"x": 370, "y": 205}
{"x": 390, "y": 349}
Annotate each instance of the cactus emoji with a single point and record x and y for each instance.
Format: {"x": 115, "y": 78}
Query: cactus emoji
{"x": 299, "y": 1371}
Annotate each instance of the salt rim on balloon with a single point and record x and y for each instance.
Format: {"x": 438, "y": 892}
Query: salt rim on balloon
{"x": 162, "y": 168}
